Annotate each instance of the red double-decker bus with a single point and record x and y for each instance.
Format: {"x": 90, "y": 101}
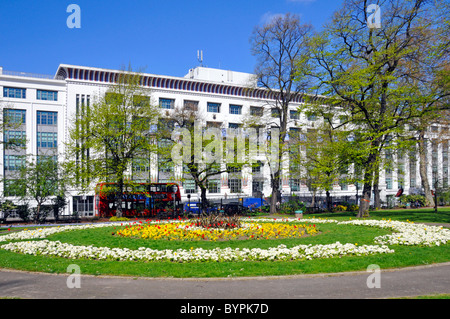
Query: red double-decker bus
{"x": 139, "y": 200}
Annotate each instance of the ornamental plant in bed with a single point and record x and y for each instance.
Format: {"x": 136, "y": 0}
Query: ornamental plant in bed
{"x": 35, "y": 242}
{"x": 219, "y": 231}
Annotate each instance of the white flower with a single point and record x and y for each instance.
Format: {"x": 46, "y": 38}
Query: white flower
{"x": 406, "y": 234}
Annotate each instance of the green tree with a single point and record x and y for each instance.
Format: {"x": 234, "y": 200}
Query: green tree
{"x": 280, "y": 47}
{"x": 108, "y": 134}
{"x": 39, "y": 180}
{"x": 325, "y": 159}
{"x": 203, "y": 153}
{"x": 373, "y": 75}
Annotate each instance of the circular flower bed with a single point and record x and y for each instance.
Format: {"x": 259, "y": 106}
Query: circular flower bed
{"x": 405, "y": 234}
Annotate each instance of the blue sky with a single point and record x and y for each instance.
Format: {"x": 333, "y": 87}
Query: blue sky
{"x": 158, "y": 37}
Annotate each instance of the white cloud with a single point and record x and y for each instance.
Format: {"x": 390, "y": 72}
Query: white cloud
{"x": 269, "y": 16}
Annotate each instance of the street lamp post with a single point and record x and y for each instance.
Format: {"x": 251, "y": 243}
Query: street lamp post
{"x": 189, "y": 203}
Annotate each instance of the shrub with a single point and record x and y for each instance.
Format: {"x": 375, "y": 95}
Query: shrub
{"x": 340, "y": 208}
{"x": 412, "y": 199}
{"x": 23, "y": 212}
{"x": 292, "y": 206}
{"x": 7, "y": 208}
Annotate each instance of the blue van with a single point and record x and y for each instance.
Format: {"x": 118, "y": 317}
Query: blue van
{"x": 192, "y": 207}
{"x": 254, "y": 202}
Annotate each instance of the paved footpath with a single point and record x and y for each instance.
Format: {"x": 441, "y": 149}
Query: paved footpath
{"x": 412, "y": 281}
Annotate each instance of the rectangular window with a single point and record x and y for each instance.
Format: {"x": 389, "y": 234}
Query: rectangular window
{"x": 294, "y": 115}
{"x": 168, "y": 104}
{"x": 256, "y": 111}
{"x": 14, "y": 162}
{"x": 295, "y": 185}
{"x": 47, "y": 139}
{"x": 235, "y": 109}
{"x": 191, "y": 105}
{"x": 13, "y": 116}
{"x": 257, "y": 167}
{"x": 47, "y": 95}
{"x": 83, "y": 205}
{"x": 47, "y": 118}
{"x": 275, "y": 112}
{"x": 234, "y": 185}
{"x": 257, "y": 186}
{"x": 412, "y": 182}
{"x": 14, "y": 138}
{"x": 141, "y": 165}
{"x": 214, "y": 186}
{"x": 189, "y": 186}
{"x": 388, "y": 183}
{"x": 17, "y": 93}
{"x": 165, "y": 166}
{"x": 213, "y": 107}
{"x": 234, "y": 168}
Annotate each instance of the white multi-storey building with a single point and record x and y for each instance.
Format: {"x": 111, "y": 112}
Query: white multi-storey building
{"x": 45, "y": 106}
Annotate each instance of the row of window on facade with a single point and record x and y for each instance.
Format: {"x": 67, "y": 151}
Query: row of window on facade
{"x": 15, "y": 129}
{"x": 235, "y": 185}
{"x": 214, "y": 107}
{"x": 14, "y": 135}
{"x": 17, "y": 117}
{"x": 435, "y": 163}
{"x": 21, "y": 93}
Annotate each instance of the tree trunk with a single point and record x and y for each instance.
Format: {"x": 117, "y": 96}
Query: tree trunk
{"x": 275, "y": 201}
{"x": 365, "y": 201}
{"x": 119, "y": 197}
{"x": 203, "y": 199}
{"x": 367, "y": 188}
{"x": 313, "y": 199}
{"x": 329, "y": 201}
{"x": 371, "y": 167}
{"x": 376, "y": 197}
{"x": 38, "y": 212}
{"x": 423, "y": 169}
{"x": 376, "y": 190}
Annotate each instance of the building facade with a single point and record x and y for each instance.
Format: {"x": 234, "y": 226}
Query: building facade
{"x": 44, "y": 108}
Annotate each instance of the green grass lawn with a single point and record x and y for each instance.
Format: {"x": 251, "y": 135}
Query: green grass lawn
{"x": 420, "y": 215}
{"x": 403, "y": 257}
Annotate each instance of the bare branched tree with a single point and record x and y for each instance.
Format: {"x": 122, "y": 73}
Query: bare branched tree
{"x": 280, "y": 47}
